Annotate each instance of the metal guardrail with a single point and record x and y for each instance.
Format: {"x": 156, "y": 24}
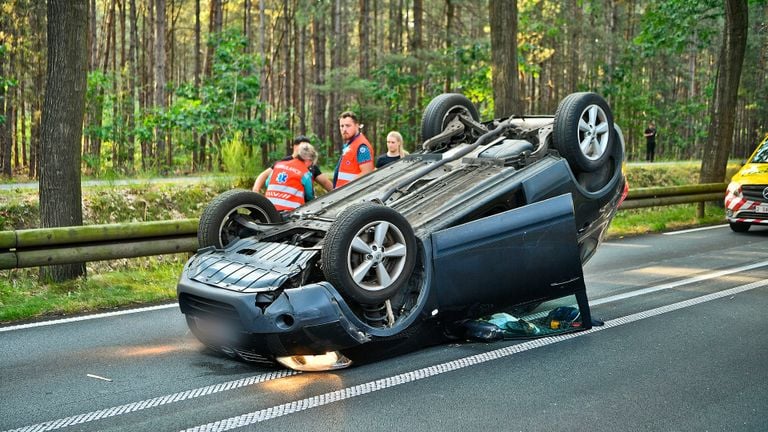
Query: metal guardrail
{"x": 670, "y": 195}
{"x": 68, "y": 245}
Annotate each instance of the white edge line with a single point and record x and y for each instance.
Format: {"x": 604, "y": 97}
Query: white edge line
{"x": 676, "y": 284}
{"x": 87, "y": 317}
{"x": 694, "y": 230}
{"x": 430, "y": 371}
{"x": 625, "y": 245}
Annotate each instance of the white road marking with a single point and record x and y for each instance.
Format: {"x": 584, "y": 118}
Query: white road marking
{"x": 404, "y": 378}
{"x": 676, "y": 284}
{"x": 624, "y": 245}
{"x": 87, "y": 317}
{"x": 694, "y": 230}
{"x": 154, "y": 402}
{"x": 98, "y": 377}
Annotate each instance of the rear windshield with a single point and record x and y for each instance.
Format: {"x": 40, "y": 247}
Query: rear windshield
{"x": 762, "y": 153}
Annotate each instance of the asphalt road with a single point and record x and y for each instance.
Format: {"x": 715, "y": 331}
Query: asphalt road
{"x": 684, "y": 348}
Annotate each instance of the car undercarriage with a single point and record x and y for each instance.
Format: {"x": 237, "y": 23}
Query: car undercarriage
{"x": 483, "y": 218}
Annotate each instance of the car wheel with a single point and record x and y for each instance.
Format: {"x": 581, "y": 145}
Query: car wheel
{"x": 442, "y": 109}
{"x": 221, "y": 221}
{"x": 739, "y": 227}
{"x": 369, "y": 253}
{"x": 583, "y": 131}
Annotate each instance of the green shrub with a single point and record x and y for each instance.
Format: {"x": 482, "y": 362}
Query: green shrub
{"x": 241, "y": 160}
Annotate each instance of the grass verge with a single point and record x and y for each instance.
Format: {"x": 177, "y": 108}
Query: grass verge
{"x": 108, "y": 285}
{"x": 660, "y": 219}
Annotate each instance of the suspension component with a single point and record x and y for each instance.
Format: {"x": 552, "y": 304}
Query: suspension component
{"x": 375, "y": 315}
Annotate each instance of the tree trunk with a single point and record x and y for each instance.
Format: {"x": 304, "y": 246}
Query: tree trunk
{"x": 3, "y": 94}
{"x": 133, "y": 61}
{"x": 503, "y": 20}
{"x": 573, "y": 46}
{"x": 145, "y": 97}
{"x": 264, "y": 95}
{"x": 364, "y": 34}
{"x": 37, "y": 23}
{"x": 60, "y": 191}
{"x": 160, "y": 101}
{"x": 22, "y": 124}
{"x": 285, "y": 50}
{"x": 449, "y": 29}
{"x": 6, "y": 96}
{"x": 115, "y": 95}
{"x": 302, "y": 80}
{"x": 196, "y": 163}
{"x": 415, "y": 47}
{"x": 722, "y": 114}
{"x": 318, "y": 104}
{"x": 247, "y": 24}
{"x": 337, "y": 58}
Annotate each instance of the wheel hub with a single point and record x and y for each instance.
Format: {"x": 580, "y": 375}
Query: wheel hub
{"x": 377, "y": 256}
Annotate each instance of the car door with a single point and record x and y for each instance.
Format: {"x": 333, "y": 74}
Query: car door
{"x": 518, "y": 256}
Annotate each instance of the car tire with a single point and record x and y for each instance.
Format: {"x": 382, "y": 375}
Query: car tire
{"x": 369, "y": 253}
{"x": 217, "y": 225}
{"x": 583, "y": 131}
{"x": 441, "y": 109}
{"x": 739, "y": 227}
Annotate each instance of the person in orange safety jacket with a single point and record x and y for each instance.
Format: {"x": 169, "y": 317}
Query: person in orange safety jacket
{"x": 290, "y": 184}
{"x": 356, "y": 155}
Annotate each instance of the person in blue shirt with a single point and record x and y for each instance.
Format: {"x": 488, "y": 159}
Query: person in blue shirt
{"x": 356, "y": 155}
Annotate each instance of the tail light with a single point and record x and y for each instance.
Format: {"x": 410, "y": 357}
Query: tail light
{"x": 624, "y": 193}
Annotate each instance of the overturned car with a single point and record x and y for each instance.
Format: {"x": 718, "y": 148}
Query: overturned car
{"x": 484, "y": 217}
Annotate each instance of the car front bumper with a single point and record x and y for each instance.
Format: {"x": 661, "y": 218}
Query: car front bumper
{"x": 308, "y": 320}
{"x": 741, "y": 210}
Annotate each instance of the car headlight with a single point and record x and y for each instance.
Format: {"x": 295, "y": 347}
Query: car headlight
{"x": 316, "y": 363}
{"x": 735, "y": 189}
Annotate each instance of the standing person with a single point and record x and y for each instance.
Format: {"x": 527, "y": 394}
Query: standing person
{"x": 394, "y": 150}
{"x": 290, "y": 184}
{"x": 356, "y": 155}
{"x": 317, "y": 175}
{"x": 650, "y": 142}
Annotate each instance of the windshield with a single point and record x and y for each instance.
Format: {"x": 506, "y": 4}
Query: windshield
{"x": 762, "y": 153}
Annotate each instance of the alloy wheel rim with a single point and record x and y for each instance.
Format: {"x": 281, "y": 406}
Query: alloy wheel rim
{"x": 593, "y": 132}
{"x": 376, "y": 257}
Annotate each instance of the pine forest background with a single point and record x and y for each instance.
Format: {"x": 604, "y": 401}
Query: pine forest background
{"x": 178, "y": 86}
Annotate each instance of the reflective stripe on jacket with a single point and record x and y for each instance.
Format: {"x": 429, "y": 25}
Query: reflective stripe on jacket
{"x": 349, "y": 168}
{"x": 285, "y": 188}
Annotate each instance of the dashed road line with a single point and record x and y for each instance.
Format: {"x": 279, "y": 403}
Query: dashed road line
{"x": 154, "y": 402}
